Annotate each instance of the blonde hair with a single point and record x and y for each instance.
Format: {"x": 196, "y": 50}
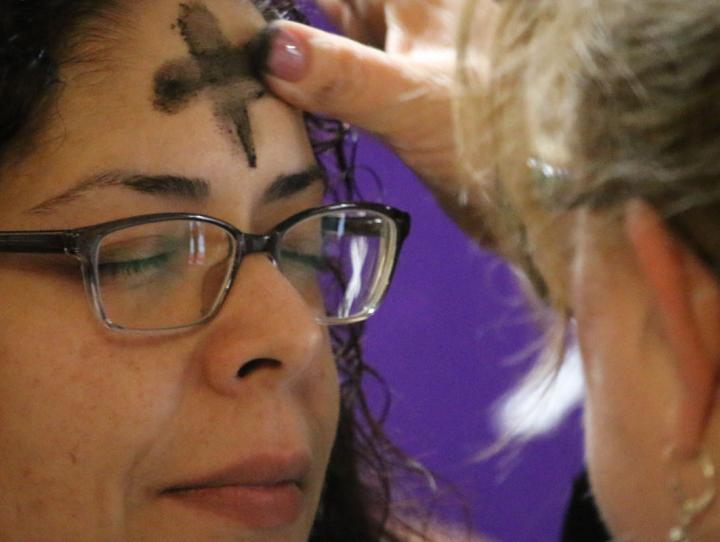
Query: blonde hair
{"x": 621, "y": 96}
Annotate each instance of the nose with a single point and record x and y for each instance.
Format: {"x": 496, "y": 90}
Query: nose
{"x": 264, "y": 330}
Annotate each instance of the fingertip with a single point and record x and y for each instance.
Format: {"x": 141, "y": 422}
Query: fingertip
{"x": 289, "y": 92}
{"x": 281, "y": 52}
{"x": 322, "y": 72}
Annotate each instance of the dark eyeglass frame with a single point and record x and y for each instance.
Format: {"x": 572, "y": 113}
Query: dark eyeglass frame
{"x": 82, "y": 244}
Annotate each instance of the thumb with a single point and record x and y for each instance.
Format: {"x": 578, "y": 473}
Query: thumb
{"x": 328, "y": 74}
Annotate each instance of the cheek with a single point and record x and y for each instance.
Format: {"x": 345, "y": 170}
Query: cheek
{"x": 323, "y": 391}
{"x": 76, "y": 410}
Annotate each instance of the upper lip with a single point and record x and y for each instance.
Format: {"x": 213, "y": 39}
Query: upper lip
{"x": 257, "y": 470}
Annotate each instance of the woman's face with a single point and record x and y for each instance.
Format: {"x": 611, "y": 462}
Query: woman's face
{"x": 111, "y": 436}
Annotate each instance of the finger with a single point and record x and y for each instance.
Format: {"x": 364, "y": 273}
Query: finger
{"x": 324, "y": 73}
{"x": 362, "y": 21}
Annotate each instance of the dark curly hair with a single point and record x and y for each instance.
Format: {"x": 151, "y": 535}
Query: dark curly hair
{"x": 36, "y": 38}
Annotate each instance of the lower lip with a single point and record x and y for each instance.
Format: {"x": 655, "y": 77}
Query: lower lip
{"x": 256, "y": 507}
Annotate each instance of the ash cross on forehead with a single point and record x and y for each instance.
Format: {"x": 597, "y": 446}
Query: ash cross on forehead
{"x": 215, "y": 66}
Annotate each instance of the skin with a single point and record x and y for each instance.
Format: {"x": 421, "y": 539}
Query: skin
{"x": 648, "y": 329}
{"x": 628, "y": 375}
{"x": 95, "y": 424}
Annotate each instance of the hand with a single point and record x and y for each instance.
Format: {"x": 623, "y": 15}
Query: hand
{"x": 403, "y": 93}
{"x": 400, "y": 27}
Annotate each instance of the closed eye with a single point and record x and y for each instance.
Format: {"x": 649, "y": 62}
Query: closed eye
{"x": 317, "y": 262}
{"x": 132, "y": 268}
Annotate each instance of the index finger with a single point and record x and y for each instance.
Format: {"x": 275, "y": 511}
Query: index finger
{"x": 324, "y": 73}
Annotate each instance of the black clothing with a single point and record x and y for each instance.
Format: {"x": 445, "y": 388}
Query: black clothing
{"x": 582, "y": 520}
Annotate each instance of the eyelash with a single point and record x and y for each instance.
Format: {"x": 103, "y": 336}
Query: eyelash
{"x": 131, "y": 268}
{"x": 317, "y": 263}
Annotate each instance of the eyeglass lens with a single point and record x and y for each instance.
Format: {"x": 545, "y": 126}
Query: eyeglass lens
{"x": 340, "y": 262}
{"x": 164, "y": 274}
{"x": 174, "y": 273}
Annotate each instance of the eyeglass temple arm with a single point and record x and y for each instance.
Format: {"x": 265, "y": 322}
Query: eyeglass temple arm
{"x": 371, "y": 225}
{"x": 37, "y": 242}
{"x": 404, "y": 222}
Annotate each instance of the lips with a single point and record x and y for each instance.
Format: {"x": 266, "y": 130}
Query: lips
{"x": 263, "y": 491}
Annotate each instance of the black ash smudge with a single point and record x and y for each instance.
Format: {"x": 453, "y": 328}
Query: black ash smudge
{"x": 228, "y": 73}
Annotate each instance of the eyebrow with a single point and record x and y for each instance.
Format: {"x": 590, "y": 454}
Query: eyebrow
{"x": 289, "y": 185}
{"x": 161, "y": 185}
{"x": 189, "y": 188}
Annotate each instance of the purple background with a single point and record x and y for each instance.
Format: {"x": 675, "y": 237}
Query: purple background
{"x": 444, "y": 340}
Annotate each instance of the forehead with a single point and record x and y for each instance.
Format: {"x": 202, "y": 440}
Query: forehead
{"x": 106, "y": 117}
{"x": 159, "y": 24}
{"x": 119, "y": 70}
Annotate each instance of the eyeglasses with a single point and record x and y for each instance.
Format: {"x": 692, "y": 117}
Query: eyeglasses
{"x": 174, "y": 270}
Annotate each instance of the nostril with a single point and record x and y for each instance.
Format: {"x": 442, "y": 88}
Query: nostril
{"x": 255, "y": 364}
